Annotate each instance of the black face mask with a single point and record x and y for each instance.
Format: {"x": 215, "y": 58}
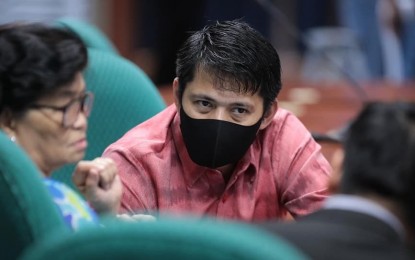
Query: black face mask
{"x": 215, "y": 143}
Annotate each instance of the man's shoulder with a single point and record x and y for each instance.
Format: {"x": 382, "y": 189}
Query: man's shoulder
{"x": 285, "y": 125}
{"x": 284, "y": 117}
{"x": 326, "y": 224}
{"x": 148, "y": 135}
{"x": 322, "y": 235}
{"x": 159, "y": 121}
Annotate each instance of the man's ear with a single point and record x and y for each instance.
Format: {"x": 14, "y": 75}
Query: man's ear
{"x": 336, "y": 175}
{"x": 176, "y": 93}
{"x": 269, "y": 115}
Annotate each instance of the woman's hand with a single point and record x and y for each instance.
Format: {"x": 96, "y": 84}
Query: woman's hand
{"x": 99, "y": 182}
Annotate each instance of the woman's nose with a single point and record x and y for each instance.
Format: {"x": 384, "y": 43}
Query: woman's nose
{"x": 81, "y": 120}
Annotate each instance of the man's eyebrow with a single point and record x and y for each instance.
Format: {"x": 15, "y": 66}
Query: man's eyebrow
{"x": 242, "y": 104}
{"x": 208, "y": 98}
{"x": 201, "y": 96}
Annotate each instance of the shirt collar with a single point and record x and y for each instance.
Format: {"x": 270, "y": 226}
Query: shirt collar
{"x": 366, "y": 206}
{"x": 192, "y": 171}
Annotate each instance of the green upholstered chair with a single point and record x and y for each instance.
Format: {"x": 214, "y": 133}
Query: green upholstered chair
{"x": 27, "y": 211}
{"x": 92, "y": 36}
{"x": 166, "y": 239}
{"x": 124, "y": 97}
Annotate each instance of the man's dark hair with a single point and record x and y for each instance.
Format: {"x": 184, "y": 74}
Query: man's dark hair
{"x": 237, "y": 57}
{"x": 34, "y": 61}
{"x": 380, "y": 153}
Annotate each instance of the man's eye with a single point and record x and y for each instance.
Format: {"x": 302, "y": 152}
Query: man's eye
{"x": 240, "y": 110}
{"x": 204, "y": 103}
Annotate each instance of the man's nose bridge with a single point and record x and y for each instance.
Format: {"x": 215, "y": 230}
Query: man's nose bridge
{"x": 220, "y": 114}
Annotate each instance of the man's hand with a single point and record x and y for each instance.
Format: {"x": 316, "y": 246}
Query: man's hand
{"x": 99, "y": 182}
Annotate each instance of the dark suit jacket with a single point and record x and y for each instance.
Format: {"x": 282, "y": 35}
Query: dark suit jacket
{"x": 340, "y": 234}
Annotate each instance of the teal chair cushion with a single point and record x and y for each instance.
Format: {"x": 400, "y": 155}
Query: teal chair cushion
{"x": 166, "y": 239}
{"x": 92, "y": 36}
{"x": 124, "y": 97}
{"x": 27, "y": 212}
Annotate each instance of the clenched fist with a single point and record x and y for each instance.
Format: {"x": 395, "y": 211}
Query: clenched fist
{"x": 99, "y": 182}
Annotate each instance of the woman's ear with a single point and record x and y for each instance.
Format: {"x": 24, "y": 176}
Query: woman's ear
{"x": 269, "y": 115}
{"x": 176, "y": 93}
{"x": 7, "y": 122}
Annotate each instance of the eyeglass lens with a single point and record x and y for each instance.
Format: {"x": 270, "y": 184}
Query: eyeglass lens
{"x": 73, "y": 110}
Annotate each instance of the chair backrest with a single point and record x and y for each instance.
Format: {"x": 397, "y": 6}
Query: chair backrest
{"x": 92, "y": 36}
{"x": 124, "y": 97}
{"x": 27, "y": 211}
{"x": 166, "y": 239}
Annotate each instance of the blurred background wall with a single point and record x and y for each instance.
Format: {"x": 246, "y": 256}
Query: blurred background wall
{"x": 335, "y": 54}
{"x": 364, "y": 40}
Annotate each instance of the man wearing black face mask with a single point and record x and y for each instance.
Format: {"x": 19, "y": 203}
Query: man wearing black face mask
{"x": 224, "y": 149}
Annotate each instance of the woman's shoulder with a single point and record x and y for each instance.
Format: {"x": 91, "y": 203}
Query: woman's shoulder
{"x": 74, "y": 209}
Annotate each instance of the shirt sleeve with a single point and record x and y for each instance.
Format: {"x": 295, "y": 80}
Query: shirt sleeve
{"x": 138, "y": 190}
{"x": 303, "y": 172}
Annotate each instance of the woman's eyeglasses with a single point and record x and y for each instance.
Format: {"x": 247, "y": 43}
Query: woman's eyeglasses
{"x": 70, "y": 112}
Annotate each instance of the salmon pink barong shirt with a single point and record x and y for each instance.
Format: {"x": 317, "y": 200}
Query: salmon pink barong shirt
{"x": 282, "y": 172}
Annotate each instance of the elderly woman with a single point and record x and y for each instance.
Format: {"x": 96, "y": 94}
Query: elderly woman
{"x": 44, "y": 106}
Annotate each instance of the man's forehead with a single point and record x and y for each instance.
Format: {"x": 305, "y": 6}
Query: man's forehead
{"x": 222, "y": 82}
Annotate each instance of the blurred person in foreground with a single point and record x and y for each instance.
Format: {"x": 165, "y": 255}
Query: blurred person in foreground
{"x": 224, "y": 149}
{"x": 372, "y": 216}
{"x": 44, "y": 107}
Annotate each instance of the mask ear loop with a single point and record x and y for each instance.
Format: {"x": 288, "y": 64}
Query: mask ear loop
{"x": 13, "y": 138}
